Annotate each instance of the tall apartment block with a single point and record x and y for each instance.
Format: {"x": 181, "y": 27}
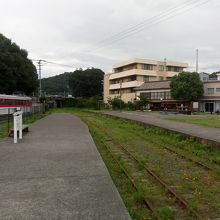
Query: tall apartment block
{"x": 130, "y": 74}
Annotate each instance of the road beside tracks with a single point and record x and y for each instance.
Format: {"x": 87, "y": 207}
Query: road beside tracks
{"x": 202, "y": 134}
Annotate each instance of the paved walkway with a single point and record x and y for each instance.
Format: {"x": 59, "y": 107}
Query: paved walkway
{"x": 56, "y": 172}
{"x": 204, "y": 132}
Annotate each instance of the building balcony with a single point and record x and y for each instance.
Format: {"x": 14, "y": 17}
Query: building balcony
{"x": 141, "y": 72}
{"x": 124, "y": 85}
{"x": 171, "y": 73}
{"x": 133, "y": 72}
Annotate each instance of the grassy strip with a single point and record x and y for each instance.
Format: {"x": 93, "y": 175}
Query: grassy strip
{"x": 131, "y": 198}
{"x": 209, "y": 121}
{"x": 36, "y": 117}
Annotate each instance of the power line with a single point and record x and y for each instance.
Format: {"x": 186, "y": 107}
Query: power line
{"x": 59, "y": 64}
{"x": 148, "y": 23}
{"x": 170, "y": 15}
{"x": 39, "y": 63}
{"x": 133, "y": 27}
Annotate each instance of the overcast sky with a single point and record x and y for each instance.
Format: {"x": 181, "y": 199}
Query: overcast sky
{"x": 70, "y": 31}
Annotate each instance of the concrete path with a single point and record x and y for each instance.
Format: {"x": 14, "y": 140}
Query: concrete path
{"x": 204, "y": 132}
{"x": 56, "y": 172}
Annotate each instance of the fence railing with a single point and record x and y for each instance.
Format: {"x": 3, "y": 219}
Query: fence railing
{"x": 6, "y": 116}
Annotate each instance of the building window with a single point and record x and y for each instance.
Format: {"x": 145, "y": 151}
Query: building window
{"x": 210, "y": 91}
{"x": 217, "y": 89}
{"x": 113, "y": 81}
{"x": 176, "y": 69}
{"x": 133, "y": 78}
{"x": 161, "y": 68}
{"x": 160, "y": 78}
{"x": 156, "y": 95}
{"x": 147, "y": 66}
{"x": 112, "y": 92}
{"x": 146, "y": 78}
{"x": 167, "y": 95}
{"x": 169, "y": 68}
{"x": 123, "y": 91}
{"x": 146, "y": 95}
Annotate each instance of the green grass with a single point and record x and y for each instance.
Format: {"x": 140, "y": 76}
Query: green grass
{"x": 209, "y": 121}
{"x": 131, "y": 198}
{"x": 36, "y": 118}
{"x": 3, "y": 129}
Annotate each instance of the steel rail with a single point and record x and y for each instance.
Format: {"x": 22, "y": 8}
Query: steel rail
{"x": 193, "y": 161}
{"x": 158, "y": 179}
{"x": 145, "y": 200}
{"x": 198, "y": 163}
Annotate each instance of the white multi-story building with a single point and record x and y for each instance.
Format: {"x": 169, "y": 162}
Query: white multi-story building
{"x": 130, "y": 74}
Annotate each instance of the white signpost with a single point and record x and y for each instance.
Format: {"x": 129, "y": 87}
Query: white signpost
{"x": 17, "y": 125}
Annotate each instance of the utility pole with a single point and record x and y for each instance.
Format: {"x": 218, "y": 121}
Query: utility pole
{"x": 120, "y": 95}
{"x": 165, "y": 64}
{"x": 197, "y": 60}
{"x": 39, "y": 75}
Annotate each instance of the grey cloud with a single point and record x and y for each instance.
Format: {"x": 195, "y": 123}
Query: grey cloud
{"x": 63, "y": 31}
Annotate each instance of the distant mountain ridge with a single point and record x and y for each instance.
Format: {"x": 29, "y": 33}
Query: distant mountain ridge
{"x": 56, "y": 85}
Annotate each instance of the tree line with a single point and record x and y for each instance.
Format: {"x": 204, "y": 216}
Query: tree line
{"x": 80, "y": 83}
{"x": 17, "y": 72}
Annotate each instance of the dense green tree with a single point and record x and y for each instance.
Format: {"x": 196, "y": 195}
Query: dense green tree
{"x": 187, "y": 86}
{"x": 17, "y": 72}
{"x": 86, "y": 83}
{"x": 213, "y": 75}
{"x": 56, "y": 85}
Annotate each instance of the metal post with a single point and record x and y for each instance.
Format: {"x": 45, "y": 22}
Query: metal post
{"x": 15, "y": 130}
{"x": 39, "y": 72}
{"x": 120, "y": 95}
{"x": 20, "y": 125}
{"x": 8, "y": 119}
{"x": 165, "y": 64}
{"x": 197, "y": 60}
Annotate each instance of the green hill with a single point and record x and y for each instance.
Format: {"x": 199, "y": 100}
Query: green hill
{"x": 56, "y": 85}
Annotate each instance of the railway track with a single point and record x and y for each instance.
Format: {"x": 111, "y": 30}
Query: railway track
{"x": 127, "y": 155}
{"x": 145, "y": 200}
{"x": 196, "y": 162}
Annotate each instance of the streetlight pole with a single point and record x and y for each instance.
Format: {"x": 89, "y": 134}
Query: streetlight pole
{"x": 197, "y": 60}
{"x": 120, "y": 95}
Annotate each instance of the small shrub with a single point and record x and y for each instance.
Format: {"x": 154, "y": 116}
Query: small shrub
{"x": 131, "y": 106}
{"x": 116, "y": 103}
{"x": 166, "y": 213}
{"x": 216, "y": 160}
